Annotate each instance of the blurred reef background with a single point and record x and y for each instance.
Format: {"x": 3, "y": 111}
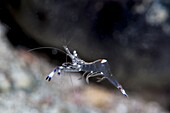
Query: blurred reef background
{"x": 134, "y": 35}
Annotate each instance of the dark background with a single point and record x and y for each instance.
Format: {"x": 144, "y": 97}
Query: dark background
{"x": 134, "y": 35}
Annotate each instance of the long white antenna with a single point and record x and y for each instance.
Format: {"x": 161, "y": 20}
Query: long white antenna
{"x": 38, "y": 48}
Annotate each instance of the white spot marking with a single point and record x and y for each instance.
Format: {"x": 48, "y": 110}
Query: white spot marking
{"x": 61, "y": 67}
{"x": 51, "y": 74}
{"x": 75, "y": 64}
{"x": 103, "y": 61}
{"x": 75, "y": 53}
{"x": 123, "y": 92}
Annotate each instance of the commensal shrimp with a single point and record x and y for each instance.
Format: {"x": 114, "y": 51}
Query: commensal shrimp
{"x": 97, "y": 68}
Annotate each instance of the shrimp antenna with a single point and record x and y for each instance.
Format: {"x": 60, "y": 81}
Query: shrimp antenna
{"x": 67, "y": 43}
{"x": 38, "y": 48}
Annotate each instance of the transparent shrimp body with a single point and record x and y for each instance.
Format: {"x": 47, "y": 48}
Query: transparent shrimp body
{"x": 91, "y": 69}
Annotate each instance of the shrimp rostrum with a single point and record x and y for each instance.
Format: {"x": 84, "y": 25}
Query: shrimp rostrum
{"x": 91, "y": 69}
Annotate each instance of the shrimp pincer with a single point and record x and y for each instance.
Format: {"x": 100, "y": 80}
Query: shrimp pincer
{"x": 91, "y": 69}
